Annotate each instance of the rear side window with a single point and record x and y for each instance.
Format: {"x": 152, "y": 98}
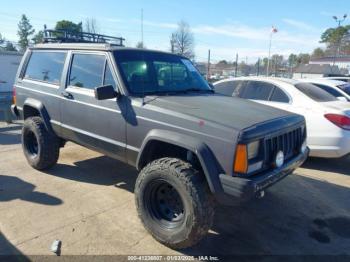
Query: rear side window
{"x": 227, "y": 88}
{"x": 279, "y": 96}
{"x": 45, "y": 66}
{"x": 329, "y": 90}
{"x": 315, "y": 93}
{"x": 345, "y": 88}
{"x": 257, "y": 90}
{"x": 87, "y": 70}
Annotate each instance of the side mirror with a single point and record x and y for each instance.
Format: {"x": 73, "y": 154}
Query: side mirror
{"x": 105, "y": 92}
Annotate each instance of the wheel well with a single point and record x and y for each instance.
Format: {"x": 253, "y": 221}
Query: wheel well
{"x": 158, "y": 149}
{"x": 29, "y": 111}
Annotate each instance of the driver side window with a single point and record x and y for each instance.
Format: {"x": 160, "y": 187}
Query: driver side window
{"x": 87, "y": 71}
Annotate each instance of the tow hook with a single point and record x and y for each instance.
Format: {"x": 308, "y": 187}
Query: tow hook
{"x": 260, "y": 194}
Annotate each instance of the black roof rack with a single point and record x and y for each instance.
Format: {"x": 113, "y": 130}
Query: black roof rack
{"x": 66, "y": 36}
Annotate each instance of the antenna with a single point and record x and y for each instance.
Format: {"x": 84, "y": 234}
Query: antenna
{"x": 143, "y": 84}
{"x": 142, "y": 27}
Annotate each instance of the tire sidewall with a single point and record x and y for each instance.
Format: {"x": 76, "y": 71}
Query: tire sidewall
{"x": 30, "y": 126}
{"x": 177, "y": 234}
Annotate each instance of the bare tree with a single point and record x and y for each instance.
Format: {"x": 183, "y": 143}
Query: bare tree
{"x": 182, "y": 40}
{"x": 90, "y": 26}
{"x": 2, "y": 40}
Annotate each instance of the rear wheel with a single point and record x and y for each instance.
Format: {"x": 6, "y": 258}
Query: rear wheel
{"x": 174, "y": 202}
{"x": 40, "y": 147}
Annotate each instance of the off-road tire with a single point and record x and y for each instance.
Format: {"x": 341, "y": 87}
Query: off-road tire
{"x": 197, "y": 200}
{"x": 41, "y": 147}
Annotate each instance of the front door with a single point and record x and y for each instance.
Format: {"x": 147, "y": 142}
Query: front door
{"x": 85, "y": 120}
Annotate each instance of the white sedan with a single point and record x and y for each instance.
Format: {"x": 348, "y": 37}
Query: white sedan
{"x": 339, "y": 89}
{"x": 327, "y": 118}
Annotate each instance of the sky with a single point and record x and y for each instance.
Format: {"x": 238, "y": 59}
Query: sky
{"x": 226, "y": 27}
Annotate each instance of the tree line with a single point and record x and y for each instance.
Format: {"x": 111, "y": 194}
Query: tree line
{"x": 182, "y": 41}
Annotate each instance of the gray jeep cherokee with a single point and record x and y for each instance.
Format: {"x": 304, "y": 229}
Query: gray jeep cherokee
{"x": 153, "y": 110}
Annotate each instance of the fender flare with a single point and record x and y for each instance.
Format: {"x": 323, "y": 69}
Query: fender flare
{"x": 36, "y": 104}
{"x": 210, "y": 165}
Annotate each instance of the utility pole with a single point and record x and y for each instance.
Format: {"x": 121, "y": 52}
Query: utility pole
{"x": 337, "y": 48}
{"x": 172, "y": 42}
{"x": 142, "y": 27}
{"x": 208, "y": 71}
{"x": 236, "y": 69}
{"x": 258, "y": 70}
{"x": 273, "y": 30}
{"x": 268, "y": 58}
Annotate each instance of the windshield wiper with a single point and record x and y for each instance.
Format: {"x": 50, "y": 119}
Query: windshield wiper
{"x": 175, "y": 92}
{"x": 198, "y": 90}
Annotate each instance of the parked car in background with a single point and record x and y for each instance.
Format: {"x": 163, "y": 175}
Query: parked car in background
{"x": 345, "y": 79}
{"x": 327, "y": 118}
{"x": 339, "y": 89}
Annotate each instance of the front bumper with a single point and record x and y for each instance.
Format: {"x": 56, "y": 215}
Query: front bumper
{"x": 244, "y": 189}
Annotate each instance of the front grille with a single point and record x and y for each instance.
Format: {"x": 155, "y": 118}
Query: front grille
{"x": 289, "y": 143}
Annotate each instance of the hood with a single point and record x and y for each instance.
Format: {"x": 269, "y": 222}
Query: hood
{"x": 228, "y": 111}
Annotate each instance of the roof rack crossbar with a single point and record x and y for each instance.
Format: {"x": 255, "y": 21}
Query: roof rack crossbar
{"x": 66, "y": 36}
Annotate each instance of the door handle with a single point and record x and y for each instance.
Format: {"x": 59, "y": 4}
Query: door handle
{"x": 67, "y": 95}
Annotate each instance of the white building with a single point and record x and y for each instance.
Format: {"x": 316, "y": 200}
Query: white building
{"x": 9, "y": 62}
{"x": 341, "y": 62}
{"x": 315, "y": 71}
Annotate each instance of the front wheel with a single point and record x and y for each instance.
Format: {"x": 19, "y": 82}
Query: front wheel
{"x": 174, "y": 202}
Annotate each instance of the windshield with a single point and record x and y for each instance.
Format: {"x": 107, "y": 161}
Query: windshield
{"x": 153, "y": 72}
{"x": 315, "y": 93}
{"x": 345, "y": 88}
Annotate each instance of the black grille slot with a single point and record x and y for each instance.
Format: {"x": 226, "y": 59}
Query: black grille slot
{"x": 289, "y": 143}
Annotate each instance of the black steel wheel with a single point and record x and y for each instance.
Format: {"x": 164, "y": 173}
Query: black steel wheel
{"x": 174, "y": 202}
{"x": 164, "y": 204}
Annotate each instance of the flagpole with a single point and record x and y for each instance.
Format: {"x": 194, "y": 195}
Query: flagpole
{"x": 268, "y": 59}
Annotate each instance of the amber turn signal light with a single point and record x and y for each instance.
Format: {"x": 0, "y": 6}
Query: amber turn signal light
{"x": 241, "y": 160}
{"x": 14, "y": 95}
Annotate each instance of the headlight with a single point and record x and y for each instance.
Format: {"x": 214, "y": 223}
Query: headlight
{"x": 253, "y": 149}
{"x": 244, "y": 153}
{"x": 303, "y": 147}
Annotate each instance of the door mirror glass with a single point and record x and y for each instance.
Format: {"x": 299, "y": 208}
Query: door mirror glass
{"x": 105, "y": 92}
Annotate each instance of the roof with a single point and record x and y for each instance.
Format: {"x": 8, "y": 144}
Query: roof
{"x": 325, "y": 81}
{"x": 80, "y": 46}
{"x": 262, "y": 78}
{"x": 317, "y": 69}
{"x": 331, "y": 59}
{"x": 91, "y": 46}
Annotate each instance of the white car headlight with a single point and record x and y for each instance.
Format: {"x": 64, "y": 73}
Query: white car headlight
{"x": 253, "y": 149}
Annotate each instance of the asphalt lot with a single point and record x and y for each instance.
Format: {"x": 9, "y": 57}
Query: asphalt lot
{"x": 87, "y": 202}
